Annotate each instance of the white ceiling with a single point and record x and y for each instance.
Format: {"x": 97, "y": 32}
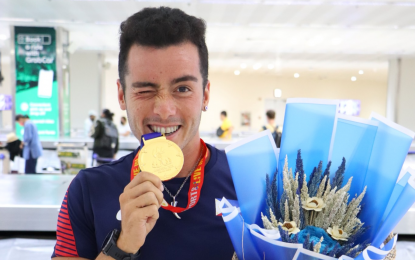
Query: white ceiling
{"x": 290, "y": 35}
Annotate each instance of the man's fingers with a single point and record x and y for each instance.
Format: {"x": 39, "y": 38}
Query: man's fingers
{"x": 145, "y": 213}
{"x": 145, "y": 176}
{"x": 141, "y": 189}
{"x": 145, "y": 200}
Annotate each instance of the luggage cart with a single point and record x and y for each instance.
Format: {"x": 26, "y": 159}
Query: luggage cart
{"x": 73, "y": 157}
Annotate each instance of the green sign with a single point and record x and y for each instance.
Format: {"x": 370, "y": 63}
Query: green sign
{"x": 36, "y": 81}
{"x": 66, "y": 116}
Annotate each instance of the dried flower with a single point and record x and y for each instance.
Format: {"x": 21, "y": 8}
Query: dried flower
{"x": 266, "y": 222}
{"x": 300, "y": 169}
{"x": 337, "y": 233}
{"x": 318, "y": 246}
{"x": 304, "y": 190}
{"x": 296, "y": 211}
{"x": 320, "y": 191}
{"x": 291, "y": 227}
{"x": 339, "y": 176}
{"x": 287, "y": 212}
{"x": 314, "y": 203}
{"x": 286, "y": 180}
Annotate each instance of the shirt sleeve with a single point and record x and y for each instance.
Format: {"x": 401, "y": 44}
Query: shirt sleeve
{"x": 28, "y": 133}
{"x": 75, "y": 233}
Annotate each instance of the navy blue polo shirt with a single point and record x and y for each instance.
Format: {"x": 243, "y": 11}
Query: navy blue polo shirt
{"x": 91, "y": 204}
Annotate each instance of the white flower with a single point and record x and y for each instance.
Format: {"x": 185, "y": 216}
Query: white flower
{"x": 291, "y": 227}
{"x": 337, "y": 233}
{"x": 314, "y": 203}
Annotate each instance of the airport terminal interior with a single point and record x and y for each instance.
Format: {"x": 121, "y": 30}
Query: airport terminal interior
{"x": 59, "y": 69}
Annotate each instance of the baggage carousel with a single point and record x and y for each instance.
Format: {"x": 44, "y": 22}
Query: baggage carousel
{"x": 32, "y": 202}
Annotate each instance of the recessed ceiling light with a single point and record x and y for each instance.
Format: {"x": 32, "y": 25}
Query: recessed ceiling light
{"x": 237, "y": 72}
{"x": 336, "y": 41}
{"x": 257, "y": 66}
{"x": 270, "y": 66}
{"x": 243, "y": 65}
{"x": 277, "y": 92}
{"x": 354, "y": 78}
{"x": 3, "y": 37}
{"x": 361, "y": 72}
{"x": 296, "y": 75}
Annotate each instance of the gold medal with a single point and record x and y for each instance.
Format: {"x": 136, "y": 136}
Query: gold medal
{"x": 161, "y": 157}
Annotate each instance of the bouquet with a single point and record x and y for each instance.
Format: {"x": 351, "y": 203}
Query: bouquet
{"x": 342, "y": 198}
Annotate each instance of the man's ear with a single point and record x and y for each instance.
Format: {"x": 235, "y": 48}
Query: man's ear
{"x": 121, "y": 95}
{"x": 206, "y": 95}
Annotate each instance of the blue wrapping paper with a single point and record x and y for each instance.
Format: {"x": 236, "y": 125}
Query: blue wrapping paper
{"x": 388, "y": 155}
{"x": 353, "y": 140}
{"x": 238, "y": 232}
{"x": 396, "y": 193}
{"x": 249, "y": 176}
{"x": 308, "y": 125}
{"x": 270, "y": 246}
{"x": 254, "y": 243}
{"x": 402, "y": 205}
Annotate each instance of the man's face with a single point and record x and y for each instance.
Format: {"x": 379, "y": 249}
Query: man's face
{"x": 21, "y": 121}
{"x": 92, "y": 117}
{"x": 122, "y": 121}
{"x": 222, "y": 117}
{"x": 164, "y": 92}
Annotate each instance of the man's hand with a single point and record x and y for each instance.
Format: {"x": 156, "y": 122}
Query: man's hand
{"x": 140, "y": 203}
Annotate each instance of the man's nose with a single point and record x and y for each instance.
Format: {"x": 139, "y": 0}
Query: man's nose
{"x": 165, "y": 106}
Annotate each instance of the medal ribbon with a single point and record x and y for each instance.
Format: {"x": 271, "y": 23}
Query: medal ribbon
{"x": 196, "y": 180}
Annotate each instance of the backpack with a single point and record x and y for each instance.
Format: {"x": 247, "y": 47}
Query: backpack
{"x": 219, "y": 131}
{"x": 276, "y": 135}
{"x": 109, "y": 137}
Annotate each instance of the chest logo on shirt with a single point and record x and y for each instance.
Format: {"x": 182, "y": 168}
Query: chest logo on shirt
{"x": 119, "y": 215}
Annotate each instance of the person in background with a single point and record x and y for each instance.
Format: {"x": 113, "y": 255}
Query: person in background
{"x": 105, "y": 137}
{"x": 272, "y": 127}
{"x": 32, "y": 148}
{"x": 89, "y": 123}
{"x": 124, "y": 129}
{"x": 225, "y": 130}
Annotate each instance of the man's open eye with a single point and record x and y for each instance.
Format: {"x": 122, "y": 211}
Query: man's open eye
{"x": 183, "y": 89}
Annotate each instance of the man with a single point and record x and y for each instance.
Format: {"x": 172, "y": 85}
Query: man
{"x": 124, "y": 128}
{"x": 276, "y": 133}
{"x": 32, "y": 148}
{"x": 226, "y": 126}
{"x": 164, "y": 87}
{"x": 89, "y": 123}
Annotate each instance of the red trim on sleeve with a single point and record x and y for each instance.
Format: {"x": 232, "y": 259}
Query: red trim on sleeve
{"x": 65, "y": 244}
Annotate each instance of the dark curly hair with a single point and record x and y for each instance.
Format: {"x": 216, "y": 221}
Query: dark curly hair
{"x": 162, "y": 27}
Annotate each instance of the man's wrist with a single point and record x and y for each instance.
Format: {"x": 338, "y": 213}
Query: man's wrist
{"x": 124, "y": 245}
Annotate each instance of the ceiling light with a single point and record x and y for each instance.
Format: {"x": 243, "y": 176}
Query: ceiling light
{"x": 277, "y": 92}
{"x": 243, "y": 65}
{"x": 361, "y": 72}
{"x": 354, "y": 78}
{"x": 3, "y": 37}
{"x": 336, "y": 41}
{"x": 257, "y": 66}
{"x": 270, "y": 66}
{"x": 237, "y": 72}
{"x": 296, "y": 75}
{"x": 17, "y": 20}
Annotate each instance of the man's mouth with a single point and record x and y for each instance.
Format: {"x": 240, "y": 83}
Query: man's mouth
{"x": 169, "y": 130}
